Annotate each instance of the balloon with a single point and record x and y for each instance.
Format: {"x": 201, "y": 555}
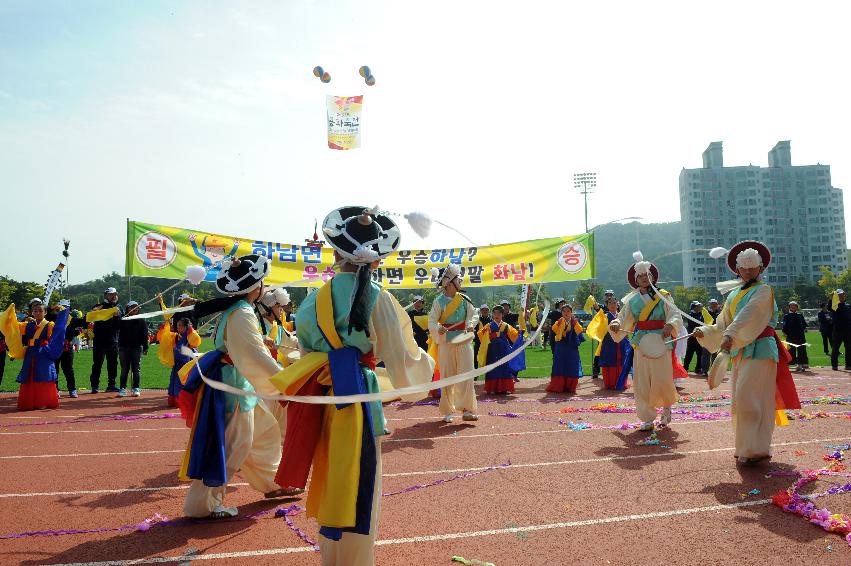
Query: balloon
{"x": 317, "y": 71}
{"x": 364, "y": 71}
{"x": 370, "y": 80}
{"x": 326, "y": 78}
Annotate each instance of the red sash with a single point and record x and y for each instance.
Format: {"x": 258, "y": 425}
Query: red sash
{"x": 786, "y": 395}
{"x": 650, "y": 325}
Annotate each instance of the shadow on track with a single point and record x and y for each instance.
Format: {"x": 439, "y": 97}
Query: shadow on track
{"x": 632, "y": 456}
{"x": 419, "y": 436}
{"x": 158, "y": 541}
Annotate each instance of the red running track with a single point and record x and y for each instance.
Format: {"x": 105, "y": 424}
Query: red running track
{"x": 591, "y": 496}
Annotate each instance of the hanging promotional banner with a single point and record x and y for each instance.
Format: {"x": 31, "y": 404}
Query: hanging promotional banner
{"x": 166, "y": 251}
{"x": 343, "y": 121}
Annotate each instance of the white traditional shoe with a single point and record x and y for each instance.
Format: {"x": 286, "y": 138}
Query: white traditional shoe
{"x": 468, "y": 416}
{"x": 666, "y": 416}
{"x": 447, "y": 419}
{"x": 646, "y": 426}
{"x": 222, "y": 512}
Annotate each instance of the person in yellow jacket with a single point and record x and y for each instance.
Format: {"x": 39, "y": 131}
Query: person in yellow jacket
{"x": 172, "y": 353}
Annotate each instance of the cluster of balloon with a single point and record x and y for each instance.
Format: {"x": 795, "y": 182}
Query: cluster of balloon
{"x": 367, "y": 75}
{"x": 321, "y": 74}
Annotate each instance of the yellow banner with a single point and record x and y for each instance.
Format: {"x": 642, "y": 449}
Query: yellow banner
{"x": 166, "y": 251}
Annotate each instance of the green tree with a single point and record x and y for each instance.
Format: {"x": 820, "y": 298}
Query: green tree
{"x": 683, "y": 296}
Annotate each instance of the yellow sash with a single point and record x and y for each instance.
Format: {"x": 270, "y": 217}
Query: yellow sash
{"x": 38, "y": 331}
{"x": 648, "y": 308}
{"x": 422, "y": 321}
{"x": 451, "y": 308}
{"x": 734, "y": 304}
{"x": 332, "y": 497}
{"x": 447, "y": 312}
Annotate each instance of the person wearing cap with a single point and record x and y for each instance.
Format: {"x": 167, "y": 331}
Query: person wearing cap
{"x": 105, "y": 342}
{"x": 794, "y": 327}
{"x": 419, "y": 322}
{"x": 483, "y": 320}
{"x": 645, "y": 313}
{"x": 344, "y": 328}
{"x": 841, "y": 338}
{"x": 251, "y": 439}
{"x": 280, "y": 341}
{"x": 497, "y": 340}
{"x": 761, "y": 382}
{"x": 39, "y": 342}
{"x": 595, "y": 366}
{"x": 452, "y": 313}
{"x": 615, "y": 358}
{"x": 509, "y": 317}
{"x": 552, "y": 318}
{"x": 173, "y": 354}
{"x": 132, "y": 344}
{"x": 567, "y": 365}
{"x": 693, "y": 347}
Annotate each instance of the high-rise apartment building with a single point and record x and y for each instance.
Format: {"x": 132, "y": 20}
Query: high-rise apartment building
{"x": 794, "y": 209}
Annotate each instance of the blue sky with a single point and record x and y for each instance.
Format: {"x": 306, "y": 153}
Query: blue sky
{"x": 206, "y": 114}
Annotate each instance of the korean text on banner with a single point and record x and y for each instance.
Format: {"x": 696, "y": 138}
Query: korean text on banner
{"x": 343, "y": 121}
{"x": 166, "y": 251}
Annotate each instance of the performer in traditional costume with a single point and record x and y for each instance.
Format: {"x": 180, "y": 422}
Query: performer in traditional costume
{"x": 497, "y": 340}
{"x": 451, "y": 315}
{"x": 40, "y": 343}
{"x": 280, "y": 341}
{"x": 762, "y": 383}
{"x": 173, "y": 352}
{"x": 231, "y": 433}
{"x": 343, "y": 330}
{"x": 651, "y": 320}
{"x": 484, "y": 320}
{"x": 613, "y": 355}
{"x": 567, "y": 365}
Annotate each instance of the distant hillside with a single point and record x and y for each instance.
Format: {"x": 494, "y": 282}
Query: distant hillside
{"x": 614, "y": 245}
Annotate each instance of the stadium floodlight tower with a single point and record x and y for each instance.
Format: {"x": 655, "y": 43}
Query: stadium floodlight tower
{"x": 585, "y": 183}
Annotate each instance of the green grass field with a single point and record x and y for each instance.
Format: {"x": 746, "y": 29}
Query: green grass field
{"x": 155, "y": 375}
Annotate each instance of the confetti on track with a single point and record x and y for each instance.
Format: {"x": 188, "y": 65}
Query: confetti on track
{"x": 570, "y": 494}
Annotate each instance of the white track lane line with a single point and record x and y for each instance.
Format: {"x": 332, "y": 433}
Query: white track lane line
{"x": 432, "y": 538}
{"x": 450, "y": 437}
{"x": 105, "y": 491}
{"x": 450, "y": 471}
{"x": 90, "y": 431}
{"x": 605, "y": 459}
{"x": 132, "y": 453}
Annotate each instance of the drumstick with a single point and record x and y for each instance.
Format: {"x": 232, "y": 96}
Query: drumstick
{"x": 678, "y": 338}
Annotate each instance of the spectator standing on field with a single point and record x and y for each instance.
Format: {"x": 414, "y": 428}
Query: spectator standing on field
{"x": 105, "y": 343}
{"x": 795, "y": 329}
{"x": 825, "y": 326}
{"x": 841, "y": 337}
{"x": 132, "y": 345}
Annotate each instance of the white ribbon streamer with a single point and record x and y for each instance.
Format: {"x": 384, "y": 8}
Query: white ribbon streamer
{"x": 384, "y": 395}
{"x": 159, "y": 313}
{"x": 674, "y": 306}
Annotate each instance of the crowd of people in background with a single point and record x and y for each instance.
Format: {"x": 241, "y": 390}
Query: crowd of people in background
{"x": 122, "y": 343}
